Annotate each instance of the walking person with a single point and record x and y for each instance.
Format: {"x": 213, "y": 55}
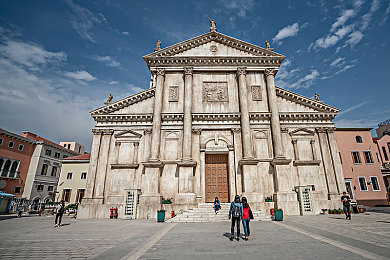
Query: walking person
{"x": 20, "y": 210}
{"x": 60, "y": 211}
{"x": 247, "y": 215}
{"x": 235, "y": 213}
{"x": 346, "y": 205}
{"x": 217, "y": 205}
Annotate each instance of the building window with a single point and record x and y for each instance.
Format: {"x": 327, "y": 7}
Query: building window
{"x": 69, "y": 176}
{"x": 359, "y": 139}
{"x": 21, "y": 147}
{"x": 68, "y": 146}
{"x": 48, "y": 152}
{"x": 80, "y": 195}
{"x": 57, "y": 155}
{"x": 377, "y": 156}
{"x": 83, "y": 175}
{"x": 367, "y": 157}
{"x": 6, "y": 167}
{"x": 65, "y": 156}
{"x": 50, "y": 188}
{"x": 363, "y": 184}
{"x": 65, "y": 145}
{"x": 388, "y": 146}
{"x": 10, "y": 144}
{"x": 1, "y": 141}
{"x": 54, "y": 171}
{"x": 17, "y": 190}
{"x": 356, "y": 158}
{"x": 14, "y": 167}
{"x": 385, "y": 153}
{"x": 40, "y": 187}
{"x": 44, "y": 169}
{"x": 341, "y": 160}
{"x": 66, "y": 195}
{"x": 375, "y": 183}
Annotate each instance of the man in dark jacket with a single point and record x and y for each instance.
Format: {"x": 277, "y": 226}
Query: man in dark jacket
{"x": 60, "y": 212}
{"x": 346, "y": 205}
{"x": 235, "y": 213}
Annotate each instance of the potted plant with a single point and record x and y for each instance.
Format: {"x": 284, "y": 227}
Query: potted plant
{"x": 325, "y": 211}
{"x": 167, "y": 201}
{"x": 278, "y": 214}
{"x": 161, "y": 215}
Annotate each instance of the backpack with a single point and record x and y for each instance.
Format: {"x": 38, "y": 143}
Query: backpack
{"x": 236, "y": 210}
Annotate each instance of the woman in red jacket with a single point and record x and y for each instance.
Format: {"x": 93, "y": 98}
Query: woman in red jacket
{"x": 246, "y": 216}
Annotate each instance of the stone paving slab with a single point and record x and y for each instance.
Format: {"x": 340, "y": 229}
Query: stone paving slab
{"x": 36, "y": 238}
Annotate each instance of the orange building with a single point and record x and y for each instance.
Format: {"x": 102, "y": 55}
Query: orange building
{"x": 15, "y": 156}
{"x": 361, "y": 164}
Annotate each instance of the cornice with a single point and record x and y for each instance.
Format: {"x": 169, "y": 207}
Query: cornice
{"x": 124, "y": 102}
{"x": 306, "y": 116}
{"x": 124, "y": 118}
{"x": 305, "y": 101}
{"x": 217, "y": 37}
{"x": 217, "y": 117}
{"x": 182, "y": 61}
{"x": 259, "y": 115}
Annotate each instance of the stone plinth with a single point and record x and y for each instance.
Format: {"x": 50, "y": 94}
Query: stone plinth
{"x": 287, "y": 200}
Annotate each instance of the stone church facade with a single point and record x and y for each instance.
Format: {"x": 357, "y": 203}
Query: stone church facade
{"x": 214, "y": 124}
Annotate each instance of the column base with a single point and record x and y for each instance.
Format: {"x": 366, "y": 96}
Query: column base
{"x": 149, "y": 204}
{"x": 186, "y": 162}
{"x": 254, "y": 197}
{"x": 280, "y": 161}
{"x": 153, "y": 164}
{"x": 248, "y": 161}
{"x": 287, "y": 201}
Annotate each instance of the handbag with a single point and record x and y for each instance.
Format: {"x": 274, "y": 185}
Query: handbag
{"x": 250, "y": 214}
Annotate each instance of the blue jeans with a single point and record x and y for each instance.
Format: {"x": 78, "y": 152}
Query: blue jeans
{"x": 245, "y": 223}
{"x": 347, "y": 211}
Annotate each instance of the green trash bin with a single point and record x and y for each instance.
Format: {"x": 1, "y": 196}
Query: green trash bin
{"x": 160, "y": 215}
{"x": 279, "y": 215}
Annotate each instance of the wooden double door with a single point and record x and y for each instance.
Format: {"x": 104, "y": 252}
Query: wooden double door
{"x": 217, "y": 181}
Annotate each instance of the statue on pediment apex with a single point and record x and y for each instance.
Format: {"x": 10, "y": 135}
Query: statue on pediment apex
{"x": 268, "y": 46}
{"x": 213, "y": 27}
{"x": 109, "y": 100}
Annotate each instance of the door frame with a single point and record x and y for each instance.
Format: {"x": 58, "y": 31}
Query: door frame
{"x": 227, "y": 171}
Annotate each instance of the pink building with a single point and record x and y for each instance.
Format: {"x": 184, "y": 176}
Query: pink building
{"x": 361, "y": 164}
{"x": 383, "y": 145}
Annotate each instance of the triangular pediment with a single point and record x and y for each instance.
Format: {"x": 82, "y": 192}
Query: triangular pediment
{"x": 289, "y": 101}
{"x": 302, "y": 132}
{"x": 128, "y": 134}
{"x": 214, "y": 44}
{"x": 124, "y": 103}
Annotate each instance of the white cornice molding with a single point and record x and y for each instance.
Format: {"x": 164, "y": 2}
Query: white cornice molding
{"x": 305, "y": 101}
{"x": 217, "y": 37}
{"x": 127, "y": 101}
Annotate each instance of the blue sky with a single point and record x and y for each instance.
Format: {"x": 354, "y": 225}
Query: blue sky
{"x": 60, "y": 59}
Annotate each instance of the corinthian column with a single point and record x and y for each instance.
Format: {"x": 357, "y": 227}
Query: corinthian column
{"x": 156, "y": 134}
{"x": 273, "y": 106}
{"x": 245, "y": 127}
{"x": 187, "y": 129}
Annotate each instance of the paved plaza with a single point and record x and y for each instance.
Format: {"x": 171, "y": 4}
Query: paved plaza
{"x": 367, "y": 236}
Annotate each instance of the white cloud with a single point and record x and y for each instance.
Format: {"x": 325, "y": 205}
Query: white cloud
{"x": 83, "y": 20}
{"x": 80, "y": 75}
{"x": 367, "y": 17}
{"x": 110, "y": 62}
{"x": 358, "y": 3}
{"x": 341, "y": 20}
{"x": 30, "y": 54}
{"x": 113, "y": 82}
{"x": 133, "y": 89}
{"x": 125, "y": 33}
{"x": 342, "y": 112}
{"x": 288, "y": 31}
{"x": 325, "y": 42}
{"x": 344, "y": 31}
{"x": 337, "y": 62}
{"x": 306, "y": 81}
{"x": 240, "y": 7}
{"x": 385, "y": 15}
{"x": 366, "y": 122}
{"x": 354, "y": 38}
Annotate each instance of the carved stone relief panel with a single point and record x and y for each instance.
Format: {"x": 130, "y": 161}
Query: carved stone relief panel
{"x": 215, "y": 92}
{"x": 256, "y": 93}
{"x": 173, "y": 94}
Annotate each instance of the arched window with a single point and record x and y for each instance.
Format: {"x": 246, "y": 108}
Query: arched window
{"x": 359, "y": 139}
{"x": 6, "y": 168}
{"x": 388, "y": 146}
{"x": 13, "y": 170}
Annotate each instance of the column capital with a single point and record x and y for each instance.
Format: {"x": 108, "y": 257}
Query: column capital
{"x": 269, "y": 72}
{"x": 294, "y": 141}
{"x": 160, "y": 72}
{"x": 197, "y": 131}
{"x": 148, "y": 131}
{"x": 241, "y": 71}
{"x": 107, "y": 132}
{"x": 236, "y": 130}
{"x": 136, "y": 143}
{"x": 188, "y": 71}
{"x": 96, "y": 131}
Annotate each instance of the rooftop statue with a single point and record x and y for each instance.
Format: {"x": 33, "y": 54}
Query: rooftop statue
{"x": 109, "y": 100}
{"x": 213, "y": 27}
{"x": 158, "y": 46}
